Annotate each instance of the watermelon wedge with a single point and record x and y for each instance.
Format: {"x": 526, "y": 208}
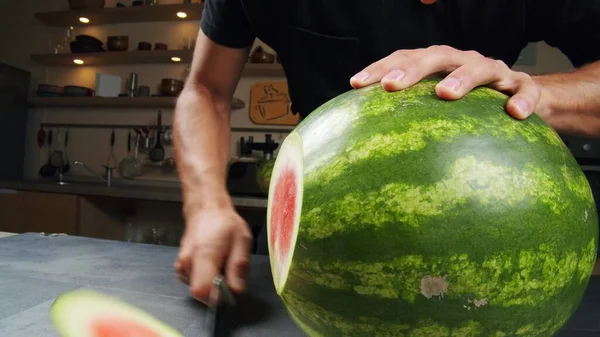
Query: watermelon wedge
{"x": 86, "y": 313}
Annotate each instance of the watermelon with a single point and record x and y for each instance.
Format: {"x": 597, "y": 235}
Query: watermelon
{"x": 263, "y": 175}
{"x": 402, "y": 214}
{"x": 86, "y": 313}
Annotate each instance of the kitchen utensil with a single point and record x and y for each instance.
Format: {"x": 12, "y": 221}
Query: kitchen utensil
{"x": 133, "y": 84}
{"x": 158, "y": 152}
{"x": 117, "y": 43}
{"x": 41, "y": 137}
{"x": 143, "y": 91}
{"x": 47, "y": 170}
{"x": 170, "y": 87}
{"x": 161, "y": 46}
{"x": 127, "y": 167}
{"x": 139, "y": 162}
{"x": 168, "y": 136}
{"x": 221, "y": 305}
{"x": 49, "y": 90}
{"x": 77, "y": 91}
{"x": 112, "y": 152}
{"x": 144, "y": 45}
{"x": 89, "y": 40}
{"x": 57, "y": 156}
{"x": 67, "y": 166}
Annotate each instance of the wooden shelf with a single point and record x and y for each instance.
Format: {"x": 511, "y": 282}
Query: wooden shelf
{"x": 145, "y": 57}
{"x": 263, "y": 69}
{"x": 114, "y": 15}
{"x": 114, "y": 58}
{"x": 114, "y": 102}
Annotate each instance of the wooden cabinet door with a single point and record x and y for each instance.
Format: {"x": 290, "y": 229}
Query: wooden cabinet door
{"x": 50, "y": 213}
{"x": 11, "y": 211}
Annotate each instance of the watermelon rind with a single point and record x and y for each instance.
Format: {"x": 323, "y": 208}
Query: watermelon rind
{"x": 425, "y": 217}
{"x": 263, "y": 175}
{"x": 292, "y": 156}
{"x": 73, "y": 312}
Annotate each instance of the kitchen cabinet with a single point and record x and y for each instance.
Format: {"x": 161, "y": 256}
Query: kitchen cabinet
{"x": 39, "y": 212}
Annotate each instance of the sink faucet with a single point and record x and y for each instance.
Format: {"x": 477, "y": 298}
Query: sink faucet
{"x": 107, "y": 174}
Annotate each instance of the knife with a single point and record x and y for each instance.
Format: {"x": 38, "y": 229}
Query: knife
{"x": 221, "y": 306}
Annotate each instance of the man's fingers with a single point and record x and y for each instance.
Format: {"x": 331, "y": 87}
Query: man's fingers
{"x": 377, "y": 70}
{"x": 207, "y": 262}
{"x": 522, "y": 104}
{"x": 481, "y": 71}
{"x": 237, "y": 263}
{"x": 419, "y": 65}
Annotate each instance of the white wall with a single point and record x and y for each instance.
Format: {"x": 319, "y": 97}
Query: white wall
{"x": 23, "y": 35}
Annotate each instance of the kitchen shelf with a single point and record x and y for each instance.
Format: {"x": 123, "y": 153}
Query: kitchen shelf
{"x": 114, "y": 58}
{"x": 263, "y": 69}
{"x": 145, "y": 57}
{"x": 114, "y": 102}
{"x": 115, "y": 15}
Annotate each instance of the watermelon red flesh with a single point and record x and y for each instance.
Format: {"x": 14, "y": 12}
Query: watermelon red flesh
{"x": 423, "y": 217}
{"x": 117, "y": 327}
{"x": 283, "y": 211}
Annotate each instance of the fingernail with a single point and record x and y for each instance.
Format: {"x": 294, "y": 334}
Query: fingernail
{"x": 362, "y": 76}
{"x": 451, "y": 83}
{"x": 395, "y": 75}
{"x": 522, "y": 106}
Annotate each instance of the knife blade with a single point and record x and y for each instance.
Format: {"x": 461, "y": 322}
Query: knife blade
{"x": 221, "y": 306}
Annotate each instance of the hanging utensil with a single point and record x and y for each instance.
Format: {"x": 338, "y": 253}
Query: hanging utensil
{"x": 66, "y": 167}
{"x": 41, "y": 137}
{"x": 139, "y": 162}
{"x": 127, "y": 164}
{"x": 112, "y": 152}
{"x": 56, "y": 157}
{"x": 158, "y": 152}
{"x": 47, "y": 170}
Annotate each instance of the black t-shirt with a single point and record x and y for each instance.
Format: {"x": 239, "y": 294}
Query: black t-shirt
{"x": 321, "y": 44}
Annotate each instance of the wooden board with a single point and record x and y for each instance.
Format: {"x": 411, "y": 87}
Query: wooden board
{"x": 270, "y": 104}
{"x": 105, "y": 16}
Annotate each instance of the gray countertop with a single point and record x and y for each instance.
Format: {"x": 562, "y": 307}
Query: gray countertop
{"x": 35, "y": 269}
{"x": 170, "y": 192}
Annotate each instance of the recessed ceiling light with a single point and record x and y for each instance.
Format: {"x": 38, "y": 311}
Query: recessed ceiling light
{"x": 84, "y": 20}
{"x": 175, "y": 59}
{"x": 78, "y": 61}
{"x": 182, "y": 15}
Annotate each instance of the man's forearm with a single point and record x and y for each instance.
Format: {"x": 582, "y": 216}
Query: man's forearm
{"x": 570, "y": 102}
{"x": 201, "y": 142}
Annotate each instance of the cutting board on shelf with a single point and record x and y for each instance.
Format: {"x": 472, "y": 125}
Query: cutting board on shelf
{"x": 270, "y": 104}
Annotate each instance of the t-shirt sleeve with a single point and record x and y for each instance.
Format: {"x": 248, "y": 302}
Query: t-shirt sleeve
{"x": 573, "y": 26}
{"x": 225, "y": 22}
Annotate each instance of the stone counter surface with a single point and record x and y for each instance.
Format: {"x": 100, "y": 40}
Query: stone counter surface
{"x": 35, "y": 269}
{"x": 169, "y": 192}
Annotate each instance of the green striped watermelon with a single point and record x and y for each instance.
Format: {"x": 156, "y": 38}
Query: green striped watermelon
{"x": 263, "y": 174}
{"x": 400, "y": 214}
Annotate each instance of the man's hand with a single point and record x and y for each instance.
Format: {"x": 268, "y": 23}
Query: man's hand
{"x": 214, "y": 240}
{"x": 465, "y": 70}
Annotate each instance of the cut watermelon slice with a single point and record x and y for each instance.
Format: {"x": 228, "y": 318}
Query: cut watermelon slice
{"x": 86, "y": 313}
{"x": 284, "y": 207}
